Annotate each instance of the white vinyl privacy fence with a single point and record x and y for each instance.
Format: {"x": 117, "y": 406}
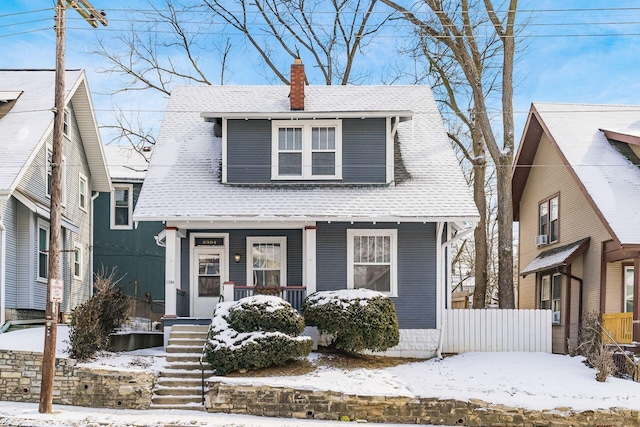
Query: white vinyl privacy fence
{"x": 497, "y": 330}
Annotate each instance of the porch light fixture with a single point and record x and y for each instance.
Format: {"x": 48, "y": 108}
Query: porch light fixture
{"x": 236, "y": 257}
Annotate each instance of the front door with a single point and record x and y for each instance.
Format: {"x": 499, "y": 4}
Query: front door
{"x": 208, "y": 265}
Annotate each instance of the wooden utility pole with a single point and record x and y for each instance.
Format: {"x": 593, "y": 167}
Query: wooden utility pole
{"x": 91, "y": 15}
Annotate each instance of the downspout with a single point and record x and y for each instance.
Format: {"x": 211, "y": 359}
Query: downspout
{"x": 439, "y": 279}
{"x": 93, "y": 198}
{"x": 439, "y": 250}
{"x": 580, "y": 282}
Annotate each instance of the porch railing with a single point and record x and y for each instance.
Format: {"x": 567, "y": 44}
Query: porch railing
{"x": 619, "y": 326}
{"x": 294, "y": 295}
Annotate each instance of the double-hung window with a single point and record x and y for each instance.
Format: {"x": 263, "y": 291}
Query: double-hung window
{"x": 551, "y": 295}
{"x": 77, "y": 261}
{"x": 548, "y": 221}
{"x": 83, "y": 192}
{"x": 122, "y": 207}
{"x": 306, "y": 149}
{"x": 66, "y": 124}
{"x": 43, "y": 251}
{"x": 266, "y": 261}
{"x": 628, "y": 289}
{"x": 63, "y": 180}
{"x": 372, "y": 260}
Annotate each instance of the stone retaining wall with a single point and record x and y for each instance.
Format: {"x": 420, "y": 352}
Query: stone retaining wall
{"x": 327, "y": 405}
{"x": 21, "y": 377}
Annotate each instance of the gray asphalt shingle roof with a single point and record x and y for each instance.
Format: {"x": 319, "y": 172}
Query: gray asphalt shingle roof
{"x": 183, "y": 182}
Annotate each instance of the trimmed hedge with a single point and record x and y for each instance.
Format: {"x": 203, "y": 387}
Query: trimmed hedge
{"x": 358, "y": 319}
{"x": 253, "y": 333}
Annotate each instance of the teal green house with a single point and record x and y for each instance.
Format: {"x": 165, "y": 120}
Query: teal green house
{"x": 120, "y": 243}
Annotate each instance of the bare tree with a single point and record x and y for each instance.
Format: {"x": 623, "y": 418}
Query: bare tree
{"x": 455, "y": 29}
{"x": 172, "y": 43}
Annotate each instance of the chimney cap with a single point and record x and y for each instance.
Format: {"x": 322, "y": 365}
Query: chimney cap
{"x": 297, "y": 61}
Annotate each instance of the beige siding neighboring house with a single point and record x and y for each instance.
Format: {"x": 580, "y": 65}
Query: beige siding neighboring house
{"x": 576, "y": 188}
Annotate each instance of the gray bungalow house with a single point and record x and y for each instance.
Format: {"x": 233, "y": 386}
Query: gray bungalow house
{"x": 26, "y": 127}
{"x": 307, "y": 188}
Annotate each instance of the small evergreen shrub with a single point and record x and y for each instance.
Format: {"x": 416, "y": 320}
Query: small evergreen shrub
{"x": 95, "y": 319}
{"x": 259, "y": 315}
{"x": 358, "y": 319}
{"x": 253, "y": 333}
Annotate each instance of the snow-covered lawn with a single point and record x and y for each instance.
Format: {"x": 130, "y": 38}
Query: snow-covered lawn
{"x": 528, "y": 380}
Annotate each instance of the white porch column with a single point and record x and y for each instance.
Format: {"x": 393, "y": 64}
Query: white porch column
{"x": 227, "y": 291}
{"x": 172, "y": 264}
{"x": 309, "y": 261}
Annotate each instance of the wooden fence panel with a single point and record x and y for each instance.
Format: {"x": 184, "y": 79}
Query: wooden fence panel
{"x": 497, "y": 330}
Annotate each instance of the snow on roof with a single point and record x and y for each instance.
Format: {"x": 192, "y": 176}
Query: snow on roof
{"x": 24, "y": 128}
{"x": 182, "y": 181}
{"x": 126, "y": 163}
{"x": 555, "y": 257}
{"x": 611, "y": 180}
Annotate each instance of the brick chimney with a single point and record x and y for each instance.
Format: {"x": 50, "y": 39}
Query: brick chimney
{"x": 296, "y": 94}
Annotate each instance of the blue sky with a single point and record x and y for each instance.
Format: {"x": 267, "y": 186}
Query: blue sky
{"x": 572, "y": 51}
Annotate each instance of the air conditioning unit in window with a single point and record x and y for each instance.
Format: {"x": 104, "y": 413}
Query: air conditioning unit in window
{"x": 556, "y": 317}
{"x": 541, "y": 240}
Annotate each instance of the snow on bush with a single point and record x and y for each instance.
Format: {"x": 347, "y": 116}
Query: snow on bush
{"x": 358, "y": 319}
{"x": 253, "y": 333}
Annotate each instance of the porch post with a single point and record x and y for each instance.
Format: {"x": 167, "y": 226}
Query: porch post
{"x": 636, "y": 298}
{"x": 309, "y": 264}
{"x": 171, "y": 264}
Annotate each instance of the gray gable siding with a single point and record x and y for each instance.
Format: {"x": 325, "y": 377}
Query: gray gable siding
{"x": 416, "y": 301}
{"x": 363, "y": 151}
{"x": 9, "y": 219}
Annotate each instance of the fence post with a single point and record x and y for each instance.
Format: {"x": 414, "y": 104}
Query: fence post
{"x": 228, "y": 291}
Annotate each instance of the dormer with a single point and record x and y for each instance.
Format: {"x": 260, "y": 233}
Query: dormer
{"x": 306, "y": 134}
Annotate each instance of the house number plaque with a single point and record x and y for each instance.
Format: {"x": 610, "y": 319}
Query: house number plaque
{"x": 209, "y": 241}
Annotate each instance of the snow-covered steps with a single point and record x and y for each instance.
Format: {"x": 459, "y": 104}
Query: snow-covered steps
{"x": 179, "y": 384}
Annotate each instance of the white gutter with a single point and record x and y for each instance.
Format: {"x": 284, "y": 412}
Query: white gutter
{"x": 3, "y": 267}
{"x": 404, "y": 115}
{"x": 93, "y": 198}
{"x": 440, "y": 247}
{"x": 283, "y": 219}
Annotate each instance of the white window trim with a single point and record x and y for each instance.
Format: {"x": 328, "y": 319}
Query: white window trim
{"x": 282, "y": 240}
{"x": 306, "y": 126}
{"x": 83, "y": 178}
{"x": 77, "y": 247}
{"x": 626, "y": 270}
{"x": 393, "y": 233}
{"x": 113, "y": 207}
{"x": 45, "y": 226}
{"x": 63, "y": 193}
{"x": 66, "y": 122}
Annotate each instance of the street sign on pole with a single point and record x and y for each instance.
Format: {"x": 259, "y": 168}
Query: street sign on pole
{"x": 57, "y": 290}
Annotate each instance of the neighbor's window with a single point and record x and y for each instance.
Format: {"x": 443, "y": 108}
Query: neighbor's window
{"x": 63, "y": 180}
{"x": 43, "y": 251}
{"x": 628, "y": 289}
{"x": 548, "y": 220}
{"x": 307, "y": 150}
{"x": 122, "y": 207}
{"x": 266, "y": 261}
{"x": 372, "y": 260}
{"x": 83, "y": 192}
{"x": 77, "y": 261}
{"x": 551, "y": 295}
{"x": 66, "y": 122}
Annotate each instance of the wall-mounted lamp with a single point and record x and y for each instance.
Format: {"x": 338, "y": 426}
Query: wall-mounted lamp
{"x": 236, "y": 257}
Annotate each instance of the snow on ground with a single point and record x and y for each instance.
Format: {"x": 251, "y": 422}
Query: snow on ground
{"x": 528, "y": 380}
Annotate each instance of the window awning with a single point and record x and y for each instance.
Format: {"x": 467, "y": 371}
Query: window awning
{"x": 557, "y": 257}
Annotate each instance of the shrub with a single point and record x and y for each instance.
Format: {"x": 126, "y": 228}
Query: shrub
{"x": 261, "y": 314}
{"x": 358, "y": 319}
{"x": 603, "y": 362}
{"x": 253, "y": 333}
{"x": 95, "y": 319}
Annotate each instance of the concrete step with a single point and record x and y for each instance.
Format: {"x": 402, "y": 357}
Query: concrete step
{"x": 178, "y": 391}
{"x": 187, "y": 341}
{"x": 190, "y": 349}
{"x": 186, "y": 327}
{"x": 191, "y": 407}
{"x": 182, "y": 357}
{"x": 195, "y": 399}
{"x": 188, "y": 334}
{"x": 180, "y": 382}
{"x": 184, "y": 374}
{"x": 185, "y": 366}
